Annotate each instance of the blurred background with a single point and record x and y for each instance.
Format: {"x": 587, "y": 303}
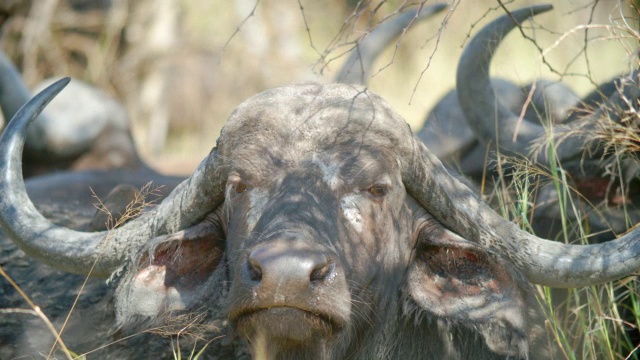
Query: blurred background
{"x": 180, "y": 67}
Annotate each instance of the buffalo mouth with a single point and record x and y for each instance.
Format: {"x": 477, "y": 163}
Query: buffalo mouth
{"x": 286, "y": 324}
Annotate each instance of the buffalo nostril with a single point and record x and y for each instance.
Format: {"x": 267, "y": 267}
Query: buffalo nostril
{"x": 322, "y": 271}
{"x": 286, "y": 265}
{"x": 254, "y": 269}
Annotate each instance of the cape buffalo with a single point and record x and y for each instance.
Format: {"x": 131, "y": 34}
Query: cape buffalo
{"x": 483, "y": 115}
{"x": 67, "y": 198}
{"x": 320, "y": 227}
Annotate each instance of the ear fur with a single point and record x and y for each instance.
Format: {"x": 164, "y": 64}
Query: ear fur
{"x": 172, "y": 274}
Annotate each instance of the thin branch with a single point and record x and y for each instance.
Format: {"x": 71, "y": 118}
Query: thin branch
{"x": 237, "y": 30}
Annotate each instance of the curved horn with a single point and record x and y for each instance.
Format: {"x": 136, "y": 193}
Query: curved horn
{"x": 542, "y": 261}
{"x": 490, "y": 120}
{"x": 357, "y": 69}
{"x": 101, "y": 252}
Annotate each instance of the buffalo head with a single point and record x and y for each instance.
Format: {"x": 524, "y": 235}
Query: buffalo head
{"x": 321, "y": 227}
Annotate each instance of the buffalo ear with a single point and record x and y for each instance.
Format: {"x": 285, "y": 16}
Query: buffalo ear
{"x": 173, "y": 273}
{"x": 456, "y": 280}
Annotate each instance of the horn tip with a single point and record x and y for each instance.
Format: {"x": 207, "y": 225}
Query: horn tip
{"x": 542, "y": 8}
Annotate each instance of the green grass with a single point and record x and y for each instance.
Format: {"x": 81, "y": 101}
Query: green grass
{"x": 586, "y": 323}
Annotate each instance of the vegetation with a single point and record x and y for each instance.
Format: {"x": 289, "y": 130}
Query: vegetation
{"x": 181, "y": 75}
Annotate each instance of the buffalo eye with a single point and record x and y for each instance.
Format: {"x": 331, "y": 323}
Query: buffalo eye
{"x": 236, "y": 186}
{"x": 378, "y": 191}
{"x": 240, "y": 187}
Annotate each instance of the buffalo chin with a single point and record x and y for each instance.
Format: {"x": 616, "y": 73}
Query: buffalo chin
{"x": 284, "y": 331}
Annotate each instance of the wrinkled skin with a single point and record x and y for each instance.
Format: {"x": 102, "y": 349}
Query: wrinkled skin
{"x": 318, "y": 251}
{"x": 88, "y": 329}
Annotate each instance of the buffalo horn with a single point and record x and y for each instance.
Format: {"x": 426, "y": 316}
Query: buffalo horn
{"x": 488, "y": 118}
{"x": 97, "y": 253}
{"x": 543, "y": 261}
{"x": 357, "y": 68}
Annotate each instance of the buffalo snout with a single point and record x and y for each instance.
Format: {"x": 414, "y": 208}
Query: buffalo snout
{"x": 297, "y": 281}
{"x": 292, "y": 269}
